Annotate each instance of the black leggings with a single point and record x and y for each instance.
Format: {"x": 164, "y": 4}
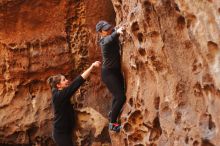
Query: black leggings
{"x": 114, "y": 81}
{"x": 62, "y": 139}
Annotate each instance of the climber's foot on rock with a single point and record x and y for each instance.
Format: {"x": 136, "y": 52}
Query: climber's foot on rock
{"x": 114, "y": 127}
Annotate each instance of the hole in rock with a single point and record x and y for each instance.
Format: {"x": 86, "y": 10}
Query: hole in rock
{"x": 176, "y": 7}
{"x": 104, "y": 136}
{"x": 148, "y": 6}
{"x": 196, "y": 143}
{"x": 79, "y": 105}
{"x": 187, "y": 140}
{"x": 165, "y": 109}
{"x": 212, "y": 50}
{"x": 188, "y": 44}
{"x": 141, "y": 51}
{"x": 157, "y": 102}
{"x": 12, "y": 45}
{"x": 213, "y": 47}
{"x": 131, "y": 101}
{"x": 178, "y": 116}
{"x": 120, "y": 1}
{"x": 136, "y": 117}
{"x": 138, "y": 145}
{"x": 156, "y": 131}
{"x": 154, "y": 34}
{"x": 182, "y": 105}
{"x": 140, "y": 37}
{"x": 191, "y": 18}
{"x": 180, "y": 88}
{"x": 196, "y": 66}
{"x": 128, "y": 127}
{"x": 125, "y": 141}
{"x": 207, "y": 125}
{"x": 132, "y": 16}
{"x": 181, "y": 22}
{"x": 207, "y": 79}
{"x": 206, "y": 142}
{"x": 209, "y": 88}
{"x": 197, "y": 89}
{"x": 156, "y": 123}
{"x": 134, "y": 27}
{"x": 137, "y": 136}
{"x": 211, "y": 123}
{"x": 138, "y": 105}
{"x": 33, "y": 96}
{"x": 32, "y": 130}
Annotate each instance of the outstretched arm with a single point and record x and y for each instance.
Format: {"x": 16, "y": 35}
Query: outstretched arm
{"x": 71, "y": 89}
{"x": 87, "y": 72}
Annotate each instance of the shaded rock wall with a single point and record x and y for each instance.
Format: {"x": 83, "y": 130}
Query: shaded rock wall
{"x": 170, "y": 58}
{"x": 39, "y": 39}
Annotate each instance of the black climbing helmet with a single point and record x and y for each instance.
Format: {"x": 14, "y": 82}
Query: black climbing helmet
{"x": 102, "y": 25}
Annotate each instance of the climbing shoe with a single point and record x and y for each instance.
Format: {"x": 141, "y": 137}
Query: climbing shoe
{"x": 114, "y": 127}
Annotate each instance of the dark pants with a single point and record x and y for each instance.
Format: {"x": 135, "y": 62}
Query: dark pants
{"x": 62, "y": 139}
{"x": 114, "y": 81}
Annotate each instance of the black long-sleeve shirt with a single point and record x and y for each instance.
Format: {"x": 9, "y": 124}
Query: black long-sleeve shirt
{"x": 63, "y": 110}
{"x": 110, "y": 51}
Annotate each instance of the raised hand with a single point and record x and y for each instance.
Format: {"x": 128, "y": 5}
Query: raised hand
{"x": 120, "y": 30}
{"x": 96, "y": 64}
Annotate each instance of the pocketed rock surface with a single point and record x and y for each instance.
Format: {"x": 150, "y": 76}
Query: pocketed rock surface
{"x": 170, "y": 60}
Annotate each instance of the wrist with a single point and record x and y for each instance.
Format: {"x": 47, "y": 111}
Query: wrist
{"x": 92, "y": 66}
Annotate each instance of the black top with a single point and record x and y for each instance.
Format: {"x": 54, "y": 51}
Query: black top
{"x": 63, "y": 110}
{"x": 110, "y": 51}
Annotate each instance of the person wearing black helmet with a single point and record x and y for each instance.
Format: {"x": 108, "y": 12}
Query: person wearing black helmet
{"x": 111, "y": 69}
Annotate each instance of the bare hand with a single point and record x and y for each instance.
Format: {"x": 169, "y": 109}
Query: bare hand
{"x": 120, "y": 30}
{"x": 96, "y": 64}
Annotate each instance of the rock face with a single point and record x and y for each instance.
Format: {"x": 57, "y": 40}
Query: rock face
{"x": 39, "y": 39}
{"x": 170, "y": 59}
{"x": 171, "y": 62}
